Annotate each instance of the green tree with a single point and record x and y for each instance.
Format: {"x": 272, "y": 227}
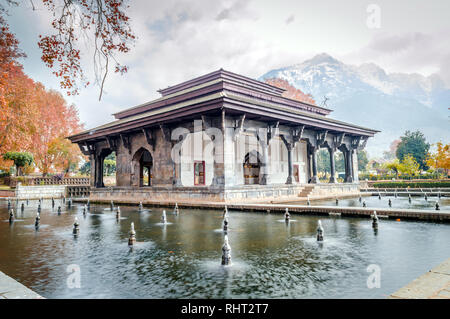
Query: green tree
{"x": 109, "y": 164}
{"x": 394, "y": 166}
{"x": 362, "y": 160}
{"x": 409, "y": 166}
{"x": 20, "y": 159}
{"x": 414, "y": 144}
{"x": 323, "y": 161}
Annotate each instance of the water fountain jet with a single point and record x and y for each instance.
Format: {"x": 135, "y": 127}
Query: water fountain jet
{"x": 140, "y": 207}
{"x": 11, "y": 215}
{"x": 287, "y": 216}
{"x": 163, "y": 217}
{"x": 118, "y": 213}
{"x": 132, "y": 238}
{"x": 37, "y": 220}
{"x": 319, "y": 231}
{"x": 225, "y": 224}
{"x": 226, "y": 252}
{"x": 76, "y": 227}
{"x": 175, "y": 210}
{"x": 374, "y": 220}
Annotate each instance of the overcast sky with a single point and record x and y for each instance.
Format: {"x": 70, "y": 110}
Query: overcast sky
{"x": 178, "y": 40}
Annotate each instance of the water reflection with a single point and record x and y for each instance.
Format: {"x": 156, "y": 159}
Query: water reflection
{"x": 182, "y": 259}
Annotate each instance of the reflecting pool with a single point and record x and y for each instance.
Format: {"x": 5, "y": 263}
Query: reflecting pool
{"x": 399, "y": 202}
{"x": 182, "y": 259}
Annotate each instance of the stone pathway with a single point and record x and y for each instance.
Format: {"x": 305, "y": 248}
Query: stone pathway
{"x": 12, "y": 289}
{"x": 435, "y": 284}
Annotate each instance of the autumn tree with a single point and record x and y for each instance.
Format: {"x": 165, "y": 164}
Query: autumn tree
{"x": 441, "y": 158}
{"x": 52, "y": 150}
{"x": 101, "y": 24}
{"x": 291, "y": 92}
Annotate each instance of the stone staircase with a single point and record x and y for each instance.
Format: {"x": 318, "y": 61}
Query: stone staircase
{"x": 306, "y": 191}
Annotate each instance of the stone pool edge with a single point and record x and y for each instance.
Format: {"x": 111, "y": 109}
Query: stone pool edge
{"x": 434, "y": 284}
{"x": 12, "y": 289}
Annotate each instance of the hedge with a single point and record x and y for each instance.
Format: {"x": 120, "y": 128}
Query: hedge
{"x": 412, "y": 185}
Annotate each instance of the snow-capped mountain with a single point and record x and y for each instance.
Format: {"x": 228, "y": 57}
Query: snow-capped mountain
{"x": 368, "y": 96}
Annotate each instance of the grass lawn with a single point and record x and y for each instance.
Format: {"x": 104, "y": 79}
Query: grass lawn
{"x": 5, "y": 187}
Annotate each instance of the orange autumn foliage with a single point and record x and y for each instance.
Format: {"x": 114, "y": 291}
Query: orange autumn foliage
{"x": 33, "y": 119}
{"x": 291, "y": 92}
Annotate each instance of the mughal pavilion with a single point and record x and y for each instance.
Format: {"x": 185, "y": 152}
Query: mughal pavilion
{"x": 222, "y": 137}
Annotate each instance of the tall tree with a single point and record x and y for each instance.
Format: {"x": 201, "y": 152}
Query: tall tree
{"x": 57, "y": 121}
{"x": 414, "y": 144}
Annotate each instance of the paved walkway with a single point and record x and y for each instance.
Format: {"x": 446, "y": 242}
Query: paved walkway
{"x": 435, "y": 284}
{"x": 12, "y": 289}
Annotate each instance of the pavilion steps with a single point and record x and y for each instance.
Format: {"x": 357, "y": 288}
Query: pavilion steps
{"x": 306, "y": 191}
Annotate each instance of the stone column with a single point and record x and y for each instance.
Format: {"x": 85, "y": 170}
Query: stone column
{"x": 93, "y": 173}
{"x": 315, "y": 178}
{"x": 265, "y": 164}
{"x": 332, "y": 166}
{"x": 98, "y": 171}
{"x": 290, "y": 149}
{"x": 348, "y": 160}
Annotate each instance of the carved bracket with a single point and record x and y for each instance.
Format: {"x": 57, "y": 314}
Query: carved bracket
{"x": 126, "y": 142}
{"x": 165, "y": 130}
{"x": 86, "y": 149}
{"x": 354, "y": 143}
{"x": 149, "y": 137}
{"x": 272, "y": 131}
{"x": 321, "y": 138}
{"x": 362, "y": 145}
{"x": 240, "y": 127}
{"x": 112, "y": 143}
{"x": 338, "y": 141}
{"x": 297, "y": 133}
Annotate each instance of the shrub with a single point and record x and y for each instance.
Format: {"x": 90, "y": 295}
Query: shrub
{"x": 411, "y": 184}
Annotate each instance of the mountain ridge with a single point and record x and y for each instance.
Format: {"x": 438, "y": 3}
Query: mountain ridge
{"x": 366, "y": 94}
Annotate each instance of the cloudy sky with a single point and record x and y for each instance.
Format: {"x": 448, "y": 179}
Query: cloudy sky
{"x": 178, "y": 40}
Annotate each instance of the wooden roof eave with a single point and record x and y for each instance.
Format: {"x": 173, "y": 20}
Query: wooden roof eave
{"x": 147, "y": 121}
{"x": 248, "y": 108}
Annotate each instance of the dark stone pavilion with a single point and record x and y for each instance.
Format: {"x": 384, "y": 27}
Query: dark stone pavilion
{"x": 222, "y": 137}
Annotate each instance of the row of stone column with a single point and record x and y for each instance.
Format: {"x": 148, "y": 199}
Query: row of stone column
{"x": 312, "y": 158}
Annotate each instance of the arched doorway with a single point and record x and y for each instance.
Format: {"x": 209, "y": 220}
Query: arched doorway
{"x": 252, "y": 168}
{"x": 144, "y": 161}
